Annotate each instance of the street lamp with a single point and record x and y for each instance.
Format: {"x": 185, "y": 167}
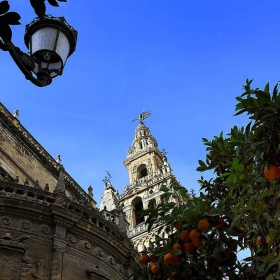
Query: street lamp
{"x": 50, "y": 41}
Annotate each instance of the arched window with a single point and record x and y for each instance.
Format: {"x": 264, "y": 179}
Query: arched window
{"x": 137, "y": 218}
{"x": 152, "y": 203}
{"x": 142, "y": 171}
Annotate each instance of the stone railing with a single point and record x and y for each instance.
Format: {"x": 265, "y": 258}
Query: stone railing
{"x": 138, "y": 230}
{"x": 11, "y": 190}
{"x": 147, "y": 181}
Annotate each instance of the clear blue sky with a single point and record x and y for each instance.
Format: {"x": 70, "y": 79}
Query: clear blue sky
{"x": 185, "y": 61}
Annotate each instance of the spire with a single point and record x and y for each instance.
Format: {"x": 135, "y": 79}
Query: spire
{"x": 58, "y": 159}
{"x": 60, "y": 186}
{"x": 110, "y": 198}
{"x": 16, "y": 114}
{"x": 142, "y": 141}
{"x": 90, "y": 193}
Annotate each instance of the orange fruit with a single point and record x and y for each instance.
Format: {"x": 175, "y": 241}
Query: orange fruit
{"x": 144, "y": 259}
{"x": 184, "y": 236}
{"x": 267, "y": 239}
{"x": 178, "y": 225}
{"x": 155, "y": 270}
{"x": 258, "y": 241}
{"x": 271, "y": 172}
{"x": 243, "y": 230}
{"x": 197, "y": 242}
{"x": 194, "y": 234}
{"x": 176, "y": 246}
{"x": 188, "y": 246}
{"x": 152, "y": 264}
{"x": 168, "y": 258}
{"x": 203, "y": 225}
{"x": 220, "y": 223}
{"x": 176, "y": 260}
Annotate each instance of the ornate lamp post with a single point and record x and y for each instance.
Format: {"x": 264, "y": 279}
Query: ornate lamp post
{"x": 50, "y": 42}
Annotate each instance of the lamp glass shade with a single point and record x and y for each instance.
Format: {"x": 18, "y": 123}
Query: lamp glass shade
{"x": 50, "y": 43}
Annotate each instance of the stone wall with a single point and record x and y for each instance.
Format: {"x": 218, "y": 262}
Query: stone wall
{"x": 21, "y": 157}
{"x": 45, "y": 236}
{"x": 17, "y": 160}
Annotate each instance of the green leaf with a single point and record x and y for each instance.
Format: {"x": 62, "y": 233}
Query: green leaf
{"x": 267, "y": 217}
{"x": 266, "y": 89}
{"x": 231, "y": 178}
{"x": 176, "y": 252}
{"x": 235, "y": 163}
{"x": 163, "y": 188}
{"x": 270, "y": 277}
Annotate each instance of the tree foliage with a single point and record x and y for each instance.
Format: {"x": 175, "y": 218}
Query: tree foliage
{"x": 6, "y": 19}
{"x": 240, "y": 203}
{"x": 39, "y": 6}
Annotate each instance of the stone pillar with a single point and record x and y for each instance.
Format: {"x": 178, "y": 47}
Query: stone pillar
{"x": 57, "y": 262}
{"x": 130, "y": 175}
{"x": 58, "y": 249}
{"x": 154, "y": 164}
{"x": 91, "y": 276}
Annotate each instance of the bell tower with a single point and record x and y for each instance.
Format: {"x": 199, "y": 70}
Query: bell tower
{"x": 148, "y": 169}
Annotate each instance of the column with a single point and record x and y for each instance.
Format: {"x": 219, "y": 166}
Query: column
{"x": 154, "y": 164}
{"x": 58, "y": 249}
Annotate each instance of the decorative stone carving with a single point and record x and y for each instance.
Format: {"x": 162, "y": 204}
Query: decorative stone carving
{"x": 84, "y": 245}
{"x": 25, "y": 225}
{"x": 37, "y": 186}
{"x": 5, "y": 220}
{"x": 47, "y": 188}
{"x": 97, "y": 271}
{"x": 11, "y": 253}
{"x": 31, "y": 270}
{"x": 60, "y": 232}
{"x": 58, "y": 248}
{"x": 90, "y": 193}
{"x": 60, "y": 186}
{"x": 129, "y": 152}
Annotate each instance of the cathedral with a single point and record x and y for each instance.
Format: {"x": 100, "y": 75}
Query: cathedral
{"x": 52, "y": 229}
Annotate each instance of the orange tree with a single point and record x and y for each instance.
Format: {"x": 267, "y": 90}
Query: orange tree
{"x": 237, "y": 209}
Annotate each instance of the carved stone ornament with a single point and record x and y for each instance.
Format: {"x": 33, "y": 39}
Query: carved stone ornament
{"x": 31, "y": 270}
{"x": 58, "y": 248}
{"x": 92, "y": 271}
{"x": 11, "y": 254}
{"x": 60, "y": 186}
{"x": 60, "y": 232}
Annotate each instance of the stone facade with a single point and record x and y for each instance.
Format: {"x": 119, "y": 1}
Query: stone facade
{"x": 148, "y": 170}
{"x": 50, "y": 228}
